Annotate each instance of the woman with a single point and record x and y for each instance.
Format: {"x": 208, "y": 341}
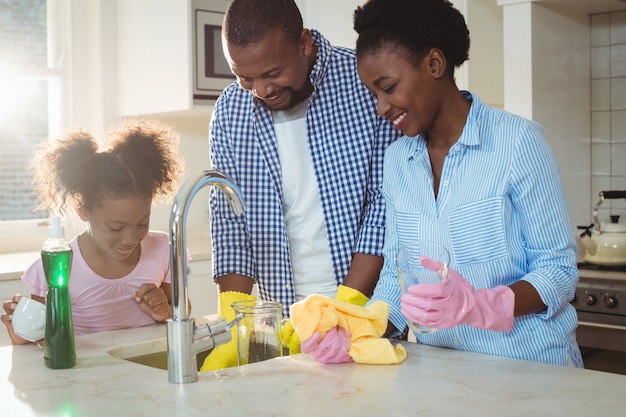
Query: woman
{"x": 475, "y": 179}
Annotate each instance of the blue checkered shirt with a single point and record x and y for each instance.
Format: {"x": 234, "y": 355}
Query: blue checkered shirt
{"x": 347, "y": 140}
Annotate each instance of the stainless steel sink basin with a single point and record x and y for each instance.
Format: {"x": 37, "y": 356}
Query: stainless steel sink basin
{"x": 152, "y": 353}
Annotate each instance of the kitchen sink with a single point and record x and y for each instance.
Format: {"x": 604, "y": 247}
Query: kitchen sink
{"x": 152, "y": 353}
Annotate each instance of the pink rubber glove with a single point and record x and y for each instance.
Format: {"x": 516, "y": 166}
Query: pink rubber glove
{"x": 454, "y": 301}
{"x": 333, "y": 348}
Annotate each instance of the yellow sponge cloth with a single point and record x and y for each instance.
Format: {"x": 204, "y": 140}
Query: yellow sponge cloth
{"x": 318, "y": 313}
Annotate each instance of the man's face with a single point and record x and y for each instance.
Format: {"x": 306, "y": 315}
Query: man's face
{"x": 274, "y": 70}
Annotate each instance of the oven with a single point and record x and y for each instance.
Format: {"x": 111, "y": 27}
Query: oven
{"x": 600, "y": 302}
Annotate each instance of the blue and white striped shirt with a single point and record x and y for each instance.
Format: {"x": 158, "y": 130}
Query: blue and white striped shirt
{"x": 347, "y": 140}
{"x": 502, "y": 214}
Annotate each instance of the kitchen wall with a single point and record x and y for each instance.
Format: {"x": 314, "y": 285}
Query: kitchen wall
{"x": 608, "y": 110}
{"x": 564, "y": 67}
{"x": 94, "y": 103}
{"x": 546, "y": 81}
{"x": 542, "y": 66}
{"x": 193, "y": 125}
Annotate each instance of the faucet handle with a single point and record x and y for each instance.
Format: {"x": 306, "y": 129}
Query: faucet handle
{"x": 236, "y": 320}
{"x": 212, "y": 334}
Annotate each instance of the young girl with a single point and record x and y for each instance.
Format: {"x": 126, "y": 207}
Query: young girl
{"x": 120, "y": 270}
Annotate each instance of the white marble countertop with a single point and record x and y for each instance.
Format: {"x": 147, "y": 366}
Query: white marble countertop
{"x": 432, "y": 382}
{"x": 13, "y": 265}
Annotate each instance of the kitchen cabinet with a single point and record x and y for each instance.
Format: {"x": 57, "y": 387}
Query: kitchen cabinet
{"x": 155, "y": 54}
{"x": 155, "y": 51}
{"x": 155, "y": 57}
{"x": 202, "y": 291}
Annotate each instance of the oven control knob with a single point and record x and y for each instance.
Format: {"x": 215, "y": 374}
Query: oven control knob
{"x": 590, "y": 299}
{"x": 610, "y": 301}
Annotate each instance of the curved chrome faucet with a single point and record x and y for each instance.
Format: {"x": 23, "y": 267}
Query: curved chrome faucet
{"x": 184, "y": 338}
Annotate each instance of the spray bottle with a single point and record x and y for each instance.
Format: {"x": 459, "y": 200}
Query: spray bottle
{"x": 56, "y": 256}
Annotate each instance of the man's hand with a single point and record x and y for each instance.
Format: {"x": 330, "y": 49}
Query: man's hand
{"x": 291, "y": 339}
{"x": 225, "y": 355}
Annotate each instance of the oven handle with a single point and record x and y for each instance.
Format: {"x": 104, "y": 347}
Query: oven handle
{"x": 605, "y": 326}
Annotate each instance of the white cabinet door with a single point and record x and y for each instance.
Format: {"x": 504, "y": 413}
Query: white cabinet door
{"x": 202, "y": 290}
{"x": 155, "y": 56}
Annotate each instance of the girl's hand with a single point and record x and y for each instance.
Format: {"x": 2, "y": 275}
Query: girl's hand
{"x": 153, "y": 301}
{"x": 7, "y": 319}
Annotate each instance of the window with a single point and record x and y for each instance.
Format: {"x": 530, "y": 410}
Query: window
{"x": 30, "y": 105}
{"x": 23, "y": 102}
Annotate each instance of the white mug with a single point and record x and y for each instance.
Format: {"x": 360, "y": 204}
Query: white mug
{"x": 29, "y": 319}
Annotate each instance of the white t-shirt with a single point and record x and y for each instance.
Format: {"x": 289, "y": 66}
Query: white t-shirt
{"x": 311, "y": 262}
{"x": 100, "y": 304}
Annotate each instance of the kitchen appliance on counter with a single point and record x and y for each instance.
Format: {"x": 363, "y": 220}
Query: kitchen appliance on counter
{"x": 600, "y": 303}
{"x": 605, "y": 244}
{"x": 600, "y": 298}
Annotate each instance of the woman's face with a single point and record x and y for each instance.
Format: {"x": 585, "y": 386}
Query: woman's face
{"x": 406, "y": 93}
{"x": 118, "y": 225}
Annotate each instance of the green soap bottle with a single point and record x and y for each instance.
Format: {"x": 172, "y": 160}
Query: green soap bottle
{"x": 56, "y": 256}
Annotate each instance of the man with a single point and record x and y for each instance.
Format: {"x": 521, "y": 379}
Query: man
{"x": 300, "y": 135}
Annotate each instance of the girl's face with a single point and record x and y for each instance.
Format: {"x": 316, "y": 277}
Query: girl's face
{"x": 118, "y": 225}
{"x": 406, "y": 93}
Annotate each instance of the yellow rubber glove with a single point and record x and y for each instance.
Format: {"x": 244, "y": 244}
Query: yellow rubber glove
{"x": 347, "y": 294}
{"x": 291, "y": 338}
{"x": 225, "y": 356}
{"x": 352, "y": 296}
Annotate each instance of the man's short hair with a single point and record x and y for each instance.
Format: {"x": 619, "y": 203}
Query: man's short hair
{"x": 249, "y": 21}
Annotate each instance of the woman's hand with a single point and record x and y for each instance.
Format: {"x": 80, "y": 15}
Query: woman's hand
{"x": 332, "y": 348}
{"x": 454, "y": 301}
{"x": 153, "y": 301}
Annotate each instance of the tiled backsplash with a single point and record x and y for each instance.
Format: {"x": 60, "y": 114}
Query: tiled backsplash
{"x": 608, "y": 110}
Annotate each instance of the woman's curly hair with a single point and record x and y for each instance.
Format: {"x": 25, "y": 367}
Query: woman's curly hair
{"x": 415, "y": 26}
{"x": 140, "y": 158}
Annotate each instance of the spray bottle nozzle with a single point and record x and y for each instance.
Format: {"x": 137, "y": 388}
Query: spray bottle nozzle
{"x": 55, "y": 230}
